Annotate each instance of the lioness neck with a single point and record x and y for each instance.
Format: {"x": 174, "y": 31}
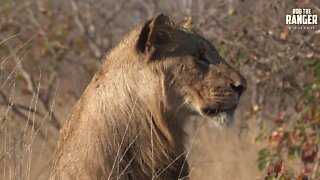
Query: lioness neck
{"x": 121, "y": 125}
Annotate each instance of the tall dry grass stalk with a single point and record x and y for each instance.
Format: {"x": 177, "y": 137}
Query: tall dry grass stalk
{"x": 24, "y": 121}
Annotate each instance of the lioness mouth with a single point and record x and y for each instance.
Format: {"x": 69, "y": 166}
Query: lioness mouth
{"x": 214, "y": 112}
{"x": 222, "y": 117}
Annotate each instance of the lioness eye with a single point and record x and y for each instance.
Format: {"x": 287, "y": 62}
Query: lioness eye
{"x": 202, "y": 60}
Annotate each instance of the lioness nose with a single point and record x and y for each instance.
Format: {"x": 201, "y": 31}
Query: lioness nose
{"x": 239, "y": 85}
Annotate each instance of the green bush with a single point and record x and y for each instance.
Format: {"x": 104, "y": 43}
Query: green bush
{"x": 296, "y": 138}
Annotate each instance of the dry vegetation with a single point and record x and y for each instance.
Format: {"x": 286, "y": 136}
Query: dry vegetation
{"x": 49, "y": 50}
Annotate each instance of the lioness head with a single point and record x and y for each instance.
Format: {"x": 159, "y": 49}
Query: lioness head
{"x": 159, "y": 74}
{"x": 193, "y": 69}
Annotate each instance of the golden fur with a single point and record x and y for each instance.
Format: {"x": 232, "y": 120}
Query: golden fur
{"x": 128, "y": 122}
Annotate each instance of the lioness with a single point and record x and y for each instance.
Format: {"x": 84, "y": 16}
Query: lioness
{"x": 128, "y": 122}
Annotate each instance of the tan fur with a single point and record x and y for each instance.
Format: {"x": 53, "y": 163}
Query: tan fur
{"x": 128, "y": 122}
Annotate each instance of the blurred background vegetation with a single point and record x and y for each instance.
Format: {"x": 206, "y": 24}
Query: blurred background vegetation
{"x": 49, "y": 50}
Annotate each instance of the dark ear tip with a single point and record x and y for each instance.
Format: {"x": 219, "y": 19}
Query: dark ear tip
{"x": 161, "y": 19}
{"x": 161, "y": 15}
{"x": 142, "y": 40}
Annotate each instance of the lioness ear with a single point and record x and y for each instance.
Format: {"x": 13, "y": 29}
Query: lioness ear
{"x": 156, "y": 36}
{"x": 187, "y": 23}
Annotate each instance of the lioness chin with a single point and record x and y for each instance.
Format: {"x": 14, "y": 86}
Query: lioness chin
{"x": 128, "y": 122}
